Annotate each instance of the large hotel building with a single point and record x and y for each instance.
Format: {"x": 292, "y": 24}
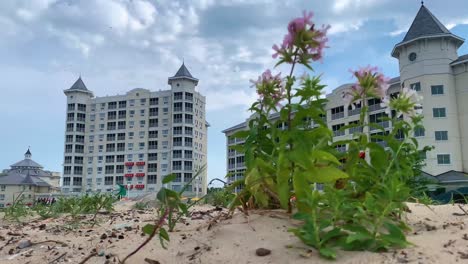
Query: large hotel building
{"x": 135, "y": 139}
{"x": 429, "y": 64}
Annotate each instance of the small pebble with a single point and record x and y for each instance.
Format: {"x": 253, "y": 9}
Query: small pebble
{"x": 262, "y": 252}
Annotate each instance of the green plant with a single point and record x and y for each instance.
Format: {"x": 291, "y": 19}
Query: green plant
{"x": 171, "y": 209}
{"x": 141, "y": 205}
{"x": 220, "y": 197}
{"x": 17, "y": 210}
{"x": 46, "y": 211}
{"x": 287, "y": 154}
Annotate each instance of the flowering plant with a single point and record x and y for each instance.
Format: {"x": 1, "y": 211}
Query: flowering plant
{"x": 289, "y": 151}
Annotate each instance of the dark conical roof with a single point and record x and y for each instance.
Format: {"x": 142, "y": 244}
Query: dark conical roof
{"x": 27, "y": 152}
{"x": 79, "y": 85}
{"x": 183, "y": 72}
{"x": 425, "y": 24}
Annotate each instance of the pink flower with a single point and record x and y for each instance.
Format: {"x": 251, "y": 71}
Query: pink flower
{"x": 303, "y": 42}
{"x": 370, "y": 84}
{"x": 269, "y": 87}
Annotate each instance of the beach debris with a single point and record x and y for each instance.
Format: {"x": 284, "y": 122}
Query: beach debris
{"x": 151, "y": 261}
{"x": 261, "y": 252}
{"x": 24, "y": 243}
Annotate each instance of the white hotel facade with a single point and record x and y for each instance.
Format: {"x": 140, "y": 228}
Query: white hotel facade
{"x": 135, "y": 139}
{"x": 429, "y": 63}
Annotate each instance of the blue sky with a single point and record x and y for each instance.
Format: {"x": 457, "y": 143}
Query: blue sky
{"x": 118, "y": 45}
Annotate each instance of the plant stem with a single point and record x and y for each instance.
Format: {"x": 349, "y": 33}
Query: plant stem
{"x": 158, "y": 224}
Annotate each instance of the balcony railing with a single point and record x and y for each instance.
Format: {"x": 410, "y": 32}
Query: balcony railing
{"x": 374, "y": 107}
{"x": 338, "y": 133}
{"x": 337, "y": 115}
{"x": 355, "y": 130}
{"x": 355, "y": 111}
{"x": 384, "y": 124}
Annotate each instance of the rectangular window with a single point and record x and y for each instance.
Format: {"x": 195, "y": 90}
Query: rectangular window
{"x": 177, "y": 154}
{"x": 443, "y": 158}
{"x": 437, "y": 89}
{"x": 122, "y": 114}
{"x": 177, "y": 165}
{"x": 112, "y": 105}
{"x": 177, "y": 118}
{"x": 121, "y": 136}
{"x": 152, "y": 144}
{"x": 110, "y": 137}
{"x": 337, "y": 112}
{"x": 109, "y": 180}
{"x": 152, "y": 179}
{"x": 153, "y": 122}
{"x": 112, "y": 115}
{"x": 416, "y": 86}
{"x": 153, "y": 111}
{"x": 441, "y": 135}
{"x": 439, "y": 112}
{"x": 154, "y": 101}
{"x": 120, "y": 158}
{"x": 122, "y": 104}
{"x": 336, "y": 130}
{"x": 152, "y": 156}
{"x": 178, "y": 107}
{"x": 153, "y": 134}
{"x": 119, "y": 180}
{"x": 178, "y": 96}
{"x": 152, "y": 167}
{"x": 419, "y": 132}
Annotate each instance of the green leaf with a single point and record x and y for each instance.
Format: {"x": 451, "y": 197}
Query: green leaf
{"x": 324, "y": 156}
{"x": 163, "y": 233}
{"x": 283, "y": 176}
{"x": 183, "y": 208}
{"x": 326, "y": 174}
{"x": 168, "y": 178}
{"x": 327, "y": 252}
{"x": 148, "y": 229}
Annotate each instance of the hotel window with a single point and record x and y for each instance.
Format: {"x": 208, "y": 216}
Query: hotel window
{"x": 142, "y": 112}
{"x": 142, "y": 123}
{"x": 153, "y": 122}
{"x": 120, "y": 158}
{"x": 131, "y": 102}
{"x": 154, "y": 101}
{"x": 437, "y": 89}
{"x": 153, "y": 111}
{"x": 337, "y": 112}
{"x": 119, "y": 180}
{"x": 165, "y": 110}
{"x": 152, "y": 167}
{"x": 336, "y": 130}
{"x": 152, "y": 179}
{"x": 153, "y": 134}
{"x": 166, "y": 99}
{"x": 141, "y": 134}
{"x": 439, "y": 112}
{"x": 419, "y": 132}
{"x": 2, "y": 188}
{"x": 152, "y": 156}
{"x": 152, "y": 145}
{"x": 122, "y": 104}
{"x": 66, "y": 181}
{"x": 112, "y": 105}
{"x": 441, "y": 135}
{"x": 143, "y": 101}
{"x": 443, "y": 158}
{"x": 142, "y": 145}
{"x": 416, "y": 86}
{"x": 130, "y": 146}
{"x": 121, "y": 136}
{"x": 122, "y": 114}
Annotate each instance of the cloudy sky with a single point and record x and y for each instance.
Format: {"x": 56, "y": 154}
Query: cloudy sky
{"x": 118, "y": 45}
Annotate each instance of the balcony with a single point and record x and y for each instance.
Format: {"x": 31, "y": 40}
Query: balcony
{"x": 338, "y": 133}
{"x": 374, "y": 107}
{"x": 140, "y": 175}
{"x": 140, "y": 163}
{"x": 355, "y": 111}
{"x": 384, "y": 124}
{"x": 129, "y": 164}
{"x": 337, "y": 116}
{"x": 139, "y": 186}
{"x": 129, "y": 175}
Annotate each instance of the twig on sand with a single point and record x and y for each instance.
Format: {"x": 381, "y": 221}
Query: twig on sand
{"x": 461, "y": 208}
{"x": 50, "y": 241}
{"x": 158, "y": 224}
{"x": 93, "y": 253}
{"x": 61, "y": 256}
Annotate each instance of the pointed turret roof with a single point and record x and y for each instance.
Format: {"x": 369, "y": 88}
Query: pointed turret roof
{"x": 183, "y": 73}
{"x": 28, "y": 152}
{"x": 425, "y": 24}
{"x": 79, "y": 85}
